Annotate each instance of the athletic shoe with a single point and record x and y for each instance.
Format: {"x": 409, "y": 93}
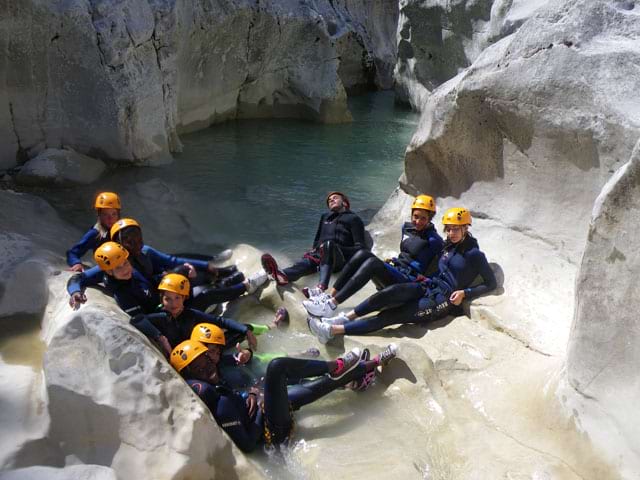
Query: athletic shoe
{"x": 388, "y": 354}
{"x": 314, "y": 292}
{"x": 312, "y": 352}
{"x": 339, "y": 319}
{"x": 222, "y": 256}
{"x": 346, "y": 363}
{"x": 256, "y": 280}
{"x": 321, "y": 330}
{"x": 319, "y": 308}
{"x": 359, "y": 384}
{"x": 270, "y": 266}
{"x": 282, "y": 317}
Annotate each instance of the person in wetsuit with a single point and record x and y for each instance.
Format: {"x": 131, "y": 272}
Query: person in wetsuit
{"x": 340, "y": 234}
{"x": 460, "y": 263}
{"x": 107, "y": 206}
{"x": 419, "y": 248}
{"x": 133, "y": 292}
{"x": 265, "y": 416}
{"x": 175, "y": 321}
{"x": 153, "y": 264}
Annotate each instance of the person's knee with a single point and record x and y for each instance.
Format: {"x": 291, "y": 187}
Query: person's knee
{"x": 276, "y": 365}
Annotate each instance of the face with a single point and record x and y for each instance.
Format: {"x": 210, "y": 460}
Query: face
{"x": 131, "y": 239}
{"x": 455, "y": 233}
{"x": 335, "y": 202}
{"x": 108, "y": 216}
{"x": 123, "y": 272}
{"x": 205, "y": 368}
{"x": 214, "y": 352}
{"x": 172, "y": 303}
{"x": 420, "y": 219}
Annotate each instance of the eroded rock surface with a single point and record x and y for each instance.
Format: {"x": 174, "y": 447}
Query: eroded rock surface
{"x": 121, "y": 80}
{"x": 60, "y": 168}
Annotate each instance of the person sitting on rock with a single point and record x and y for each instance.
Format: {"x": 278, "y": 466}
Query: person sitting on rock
{"x": 175, "y": 322}
{"x": 132, "y": 291}
{"x": 265, "y": 416}
{"x": 419, "y": 248}
{"x": 339, "y": 236}
{"x": 153, "y": 264}
{"x": 460, "y": 263}
{"x": 107, "y": 205}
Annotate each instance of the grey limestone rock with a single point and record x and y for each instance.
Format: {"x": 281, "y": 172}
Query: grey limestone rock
{"x": 60, "y": 167}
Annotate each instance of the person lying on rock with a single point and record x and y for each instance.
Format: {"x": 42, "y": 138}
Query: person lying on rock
{"x": 153, "y": 264}
{"x": 132, "y": 291}
{"x": 419, "y": 249}
{"x": 264, "y": 416}
{"x": 340, "y": 234}
{"x": 175, "y": 321}
{"x": 107, "y": 206}
{"x": 460, "y": 263}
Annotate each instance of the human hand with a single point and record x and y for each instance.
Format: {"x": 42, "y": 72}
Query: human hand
{"x": 252, "y": 340}
{"x": 76, "y": 299}
{"x": 78, "y": 268}
{"x": 252, "y": 403}
{"x": 242, "y": 355}
{"x": 165, "y": 345}
{"x": 457, "y": 297}
{"x": 192, "y": 270}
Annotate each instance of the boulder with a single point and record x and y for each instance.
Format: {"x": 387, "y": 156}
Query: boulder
{"x": 74, "y": 472}
{"x": 603, "y": 355}
{"x": 60, "y": 168}
{"x": 439, "y": 39}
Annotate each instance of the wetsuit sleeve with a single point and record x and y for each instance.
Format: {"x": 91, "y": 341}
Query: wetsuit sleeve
{"x": 428, "y": 254}
{"x": 488, "y": 278}
{"x": 167, "y": 262}
{"x": 80, "y": 281}
{"x": 147, "y": 324}
{"x": 316, "y": 239}
{"x": 128, "y": 302}
{"x": 86, "y": 243}
{"x": 222, "y": 322}
{"x": 357, "y": 233}
{"x": 245, "y": 436}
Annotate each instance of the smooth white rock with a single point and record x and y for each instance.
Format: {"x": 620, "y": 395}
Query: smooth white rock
{"x": 60, "y": 167}
{"x": 75, "y": 472}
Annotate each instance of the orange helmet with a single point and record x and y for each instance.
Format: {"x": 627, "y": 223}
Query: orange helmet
{"x": 424, "y": 202}
{"x": 208, "y": 333}
{"x": 110, "y": 255}
{"x": 185, "y": 353}
{"x": 107, "y": 200}
{"x": 176, "y": 283}
{"x": 456, "y": 216}
{"x": 121, "y": 224}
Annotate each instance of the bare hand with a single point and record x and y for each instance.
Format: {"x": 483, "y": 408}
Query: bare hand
{"x": 192, "y": 270}
{"x": 243, "y": 355}
{"x": 166, "y": 346}
{"x": 76, "y": 299}
{"x": 252, "y": 404}
{"x": 78, "y": 268}
{"x": 457, "y": 297}
{"x": 252, "y": 340}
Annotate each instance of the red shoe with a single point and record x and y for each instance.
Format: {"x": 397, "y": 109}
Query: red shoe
{"x": 271, "y": 267}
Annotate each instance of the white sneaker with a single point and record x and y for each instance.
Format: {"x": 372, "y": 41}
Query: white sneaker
{"x": 339, "y": 319}
{"x": 256, "y": 280}
{"x": 319, "y": 308}
{"x": 313, "y": 293}
{"x": 387, "y": 354}
{"x": 321, "y": 330}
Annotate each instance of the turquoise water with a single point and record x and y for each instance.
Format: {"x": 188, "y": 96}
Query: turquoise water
{"x": 264, "y": 182}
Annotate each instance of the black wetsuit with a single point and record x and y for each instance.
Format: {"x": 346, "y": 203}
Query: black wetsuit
{"x": 418, "y": 250}
{"x": 179, "y": 329}
{"x": 338, "y": 237}
{"x": 274, "y": 422}
{"x": 421, "y": 302}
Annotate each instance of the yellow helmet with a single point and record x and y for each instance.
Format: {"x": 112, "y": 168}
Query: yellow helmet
{"x": 208, "y": 333}
{"x": 107, "y": 200}
{"x": 176, "y": 283}
{"x": 110, "y": 255}
{"x": 424, "y": 202}
{"x": 122, "y": 223}
{"x": 345, "y": 199}
{"x": 456, "y": 216}
{"x": 185, "y": 353}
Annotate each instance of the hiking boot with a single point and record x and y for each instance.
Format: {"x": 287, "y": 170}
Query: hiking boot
{"x": 346, "y": 363}
{"x": 388, "y": 354}
{"x": 270, "y": 266}
{"x": 319, "y": 307}
{"x": 256, "y": 280}
{"x": 321, "y": 330}
{"x": 339, "y": 319}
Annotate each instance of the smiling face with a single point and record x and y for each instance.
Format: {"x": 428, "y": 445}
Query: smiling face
{"x": 123, "y": 272}
{"x": 204, "y": 367}
{"x": 172, "y": 303}
{"x": 420, "y": 219}
{"x": 108, "y": 216}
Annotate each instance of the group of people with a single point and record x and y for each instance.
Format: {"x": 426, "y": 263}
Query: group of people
{"x": 168, "y": 296}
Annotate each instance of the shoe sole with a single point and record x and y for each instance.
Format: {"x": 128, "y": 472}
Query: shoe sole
{"x": 347, "y": 370}
{"x": 271, "y": 267}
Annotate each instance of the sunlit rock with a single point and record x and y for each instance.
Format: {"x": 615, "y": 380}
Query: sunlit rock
{"x": 75, "y": 472}
{"x": 439, "y": 39}
{"x": 61, "y": 168}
